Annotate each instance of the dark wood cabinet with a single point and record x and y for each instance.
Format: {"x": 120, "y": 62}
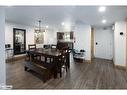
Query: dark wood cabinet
{"x": 65, "y": 36}
{"x": 60, "y": 35}
{"x": 61, "y": 45}
{"x": 65, "y": 39}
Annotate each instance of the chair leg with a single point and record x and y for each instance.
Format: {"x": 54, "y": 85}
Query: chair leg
{"x": 66, "y": 68}
{"x": 60, "y": 72}
{"x": 25, "y": 68}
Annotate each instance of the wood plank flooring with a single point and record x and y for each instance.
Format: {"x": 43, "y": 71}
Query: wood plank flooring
{"x": 101, "y": 74}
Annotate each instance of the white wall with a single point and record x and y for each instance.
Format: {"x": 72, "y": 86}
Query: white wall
{"x": 104, "y": 38}
{"x": 2, "y": 48}
{"x": 83, "y": 39}
{"x": 9, "y": 33}
{"x": 82, "y": 34}
{"x": 49, "y": 35}
{"x": 120, "y": 43}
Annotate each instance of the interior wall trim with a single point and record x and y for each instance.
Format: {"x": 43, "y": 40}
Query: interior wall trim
{"x": 88, "y": 61}
{"x": 120, "y": 67}
{"x": 15, "y": 58}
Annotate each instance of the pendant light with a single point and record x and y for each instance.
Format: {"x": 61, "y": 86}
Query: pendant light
{"x": 39, "y": 25}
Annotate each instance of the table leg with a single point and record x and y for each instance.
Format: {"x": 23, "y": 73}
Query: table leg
{"x": 55, "y": 62}
{"x": 68, "y": 60}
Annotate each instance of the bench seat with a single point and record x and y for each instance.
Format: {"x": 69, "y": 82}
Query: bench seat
{"x": 44, "y": 69}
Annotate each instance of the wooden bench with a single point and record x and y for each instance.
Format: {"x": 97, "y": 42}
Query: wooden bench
{"x": 45, "y": 70}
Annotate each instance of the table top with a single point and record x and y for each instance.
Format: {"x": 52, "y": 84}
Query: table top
{"x": 50, "y": 52}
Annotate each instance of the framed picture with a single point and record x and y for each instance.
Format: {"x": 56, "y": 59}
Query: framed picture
{"x": 39, "y": 36}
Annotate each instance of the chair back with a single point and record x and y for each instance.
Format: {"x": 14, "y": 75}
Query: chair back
{"x": 46, "y": 46}
{"x": 32, "y": 46}
{"x": 53, "y": 46}
{"x": 62, "y": 46}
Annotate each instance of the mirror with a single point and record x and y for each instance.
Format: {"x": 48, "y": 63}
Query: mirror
{"x": 19, "y": 41}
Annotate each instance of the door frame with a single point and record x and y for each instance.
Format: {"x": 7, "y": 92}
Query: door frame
{"x": 92, "y": 43}
{"x": 126, "y": 43}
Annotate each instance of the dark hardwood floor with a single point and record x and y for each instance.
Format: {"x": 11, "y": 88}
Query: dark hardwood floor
{"x": 101, "y": 74}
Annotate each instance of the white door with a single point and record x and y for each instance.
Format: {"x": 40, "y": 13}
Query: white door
{"x": 103, "y": 43}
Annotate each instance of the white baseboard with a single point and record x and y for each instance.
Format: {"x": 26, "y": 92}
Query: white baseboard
{"x": 6, "y": 87}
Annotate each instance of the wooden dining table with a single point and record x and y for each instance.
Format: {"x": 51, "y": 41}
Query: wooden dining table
{"x": 53, "y": 54}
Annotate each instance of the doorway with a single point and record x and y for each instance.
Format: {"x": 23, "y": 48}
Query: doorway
{"x": 103, "y": 43}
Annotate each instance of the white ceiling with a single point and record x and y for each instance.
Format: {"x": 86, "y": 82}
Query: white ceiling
{"x": 54, "y": 15}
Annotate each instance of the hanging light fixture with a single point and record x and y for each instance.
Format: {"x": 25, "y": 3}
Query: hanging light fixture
{"x": 39, "y": 29}
{"x": 39, "y": 33}
{"x": 39, "y": 25}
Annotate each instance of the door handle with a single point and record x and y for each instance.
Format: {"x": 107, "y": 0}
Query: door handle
{"x": 96, "y": 43}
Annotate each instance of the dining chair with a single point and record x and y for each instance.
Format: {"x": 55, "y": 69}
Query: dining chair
{"x": 35, "y": 56}
{"x": 53, "y": 46}
{"x": 47, "y": 46}
{"x": 63, "y": 64}
{"x": 31, "y": 46}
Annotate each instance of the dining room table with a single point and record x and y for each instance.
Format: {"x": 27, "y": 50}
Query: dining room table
{"x": 54, "y": 56}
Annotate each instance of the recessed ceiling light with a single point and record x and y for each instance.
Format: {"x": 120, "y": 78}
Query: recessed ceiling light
{"x": 102, "y": 9}
{"x": 47, "y": 26}
{"x": 62, "y": 23}
{"x": 104, "y": 21}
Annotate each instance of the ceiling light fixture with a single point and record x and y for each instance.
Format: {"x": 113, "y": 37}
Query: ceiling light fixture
{"x": 104, "y": 21}
{"x": 39, "y": 25}
{"x": 62, "y": 23}
{"x": 102, "y": 9}
{"x": 39, "y": 29}
{"x": 47, "y": 26}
